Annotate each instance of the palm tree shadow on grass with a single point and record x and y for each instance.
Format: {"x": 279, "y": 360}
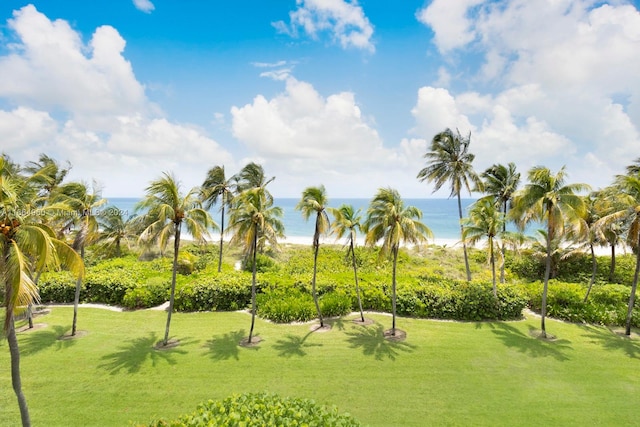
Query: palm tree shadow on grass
{"x": 227, "y": 346}
{"x": 373, "y": 343}
{"x": 133, "y": 355}
{"x": 610, "y": 340}
{"x": 36, "y": 341}
{"x": 293, "y": 345}
{"x": 527, "y": 344}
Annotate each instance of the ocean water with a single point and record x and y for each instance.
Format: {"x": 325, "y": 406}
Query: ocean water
{"x": 440, "y": 215}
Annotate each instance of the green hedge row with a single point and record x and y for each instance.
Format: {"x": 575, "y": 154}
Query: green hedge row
{"x": 607, "y": 304}
{"x": 261, "y": 409}
{"x": 220, "y": 292}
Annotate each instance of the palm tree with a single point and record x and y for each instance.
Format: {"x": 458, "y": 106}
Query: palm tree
{"x": 499, "y": 183}
{"x": 217, "y": 186}
{"x": 50, "y": 172}
{"x": 347, "y": 220}
{"x": 611, "y": 231}
{"x": 390, "y": 221}
{"x": 251, "y": 176}
{"x": 22, "y": 237}
{"x": 114, "y": 229}
{"x": 83, "y": 204}
{"x": 449, "y": 160}
{"x": 169, "y": 210}
{"x": 629, "y": 196}
{"x": 548, "y": 200}
{"x": 254, "y": 218}
{"x": 591, "y": 236}
{"x": 314, "y": 200}
{"x": 484, "y": 220}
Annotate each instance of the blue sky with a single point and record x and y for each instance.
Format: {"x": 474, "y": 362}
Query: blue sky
{"x": 342, "y": 93}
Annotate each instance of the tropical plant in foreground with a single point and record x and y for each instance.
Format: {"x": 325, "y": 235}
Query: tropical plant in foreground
{"x": 547, "y": 199}
{"x": 393, "y": 223}
{"x": 22, "y": 238}
{"x": 314, "y": 201}
{"x": 252, "y": 219}
{"x": 484, "y": 221}
{"x": 347, "y": 220}
{"x": 217, "y": 186}
{"x": 449, "y": 160}
{"x": 628, "y": 187}
{"x": 170, "y": 210}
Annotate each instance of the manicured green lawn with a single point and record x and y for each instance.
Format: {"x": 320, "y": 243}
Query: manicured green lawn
{"x": 445, "y": 373}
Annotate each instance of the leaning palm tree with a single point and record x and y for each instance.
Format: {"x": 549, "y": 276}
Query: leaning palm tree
{"x": 629, "y": 196}
{"x": 314, "y": 201}
{"x": 484, "y": 221}
{"x": 499, "y": 183}
{"x": 449, "y": 160}
{"x": 389, "y": 220}
{"x": 547, "y": 199}
{"x": 83, "y": 204}
{"x": 169, "y": 211}
{"x": 23, "y": 237}
{"x": 217, "y": 186}
{"x": 347, "y": 220}
{"x": 254, "y": 218}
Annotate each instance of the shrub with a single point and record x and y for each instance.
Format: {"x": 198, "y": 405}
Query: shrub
{"x": 231, "y": 291}
{"x": 57, "y": 287}
{"x": 335, "y": 304}
{"x": 106, "y": 287}
{"x": 285, "y": 307}
{"x": 607, "y": 304}
{"x": 153, "y": 293}
{"x": 261, "y": 409}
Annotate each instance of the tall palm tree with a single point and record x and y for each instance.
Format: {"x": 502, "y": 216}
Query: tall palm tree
{"x": 484, "y": 221}
{"x": 51, "y": 173}
{"x": 629, "y": 195}
{"x": 499, "y": 183}
{"x": 23, "y": 237}
{"x": 547, "y": 199}
{"x": 254, "y": 218}
{"x": 389, "y": 220}
{"x": 449, "y": 160}
{"x": 251, "y": 176}
{"x": 591, "y": 236}
{"x": 169, "y": 210}
{"x": 83, "y": 204}
{"x": 611, "y": 231}
{"x": 347, "y": 221}
{"x": 217, "y": 186}
{"x": 314, "y": 201}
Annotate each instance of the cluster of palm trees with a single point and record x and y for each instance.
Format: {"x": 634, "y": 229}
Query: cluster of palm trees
{"x": 46, "y": 223}
{"x": 571, "y": 213}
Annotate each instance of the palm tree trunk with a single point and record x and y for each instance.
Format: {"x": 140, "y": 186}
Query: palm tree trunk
{"x": 221, "y": 237}
{"x": 176, "y": 248}
{"x": 254, "y": 251}
{"x": 464, "y": 245}
{"x": 612, "y": 268}
{"x": 594, "y": 270}
{"x": 493, "y": 267}
{"x": 355, "y": 275}
{"x": 393, "y": 291}
{"x": 76, "y": 298}
{"x": 16, "y": 381}
{"x": 547, "y": 271}
{"x": 634, "y": 287}
{"x": 313, "y": 284}
{"x": 502, "y": 245}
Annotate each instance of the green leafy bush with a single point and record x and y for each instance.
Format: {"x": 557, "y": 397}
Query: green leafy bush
{"x": 106, "y": 287}
{"x": 335, "y": 304}
{"x": 285, "y": 307}
{"x": 57, "y": 287}
{"x": 262, "y": 409}
{"x": 150, "y": 294}
{"x": 607, "y": 304}
{"x": 228, "y": 291}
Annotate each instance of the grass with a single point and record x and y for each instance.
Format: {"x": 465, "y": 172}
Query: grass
{"x": 445, "y": 373}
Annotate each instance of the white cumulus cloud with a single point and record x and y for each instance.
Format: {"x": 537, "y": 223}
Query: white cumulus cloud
{"x": 345, "y": 21}
{"x": 144, "y": 5}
